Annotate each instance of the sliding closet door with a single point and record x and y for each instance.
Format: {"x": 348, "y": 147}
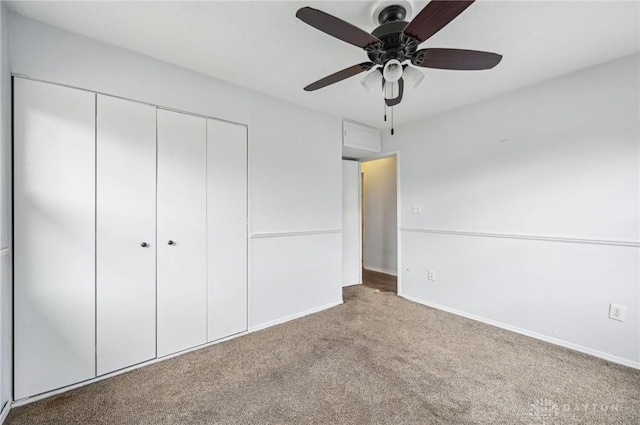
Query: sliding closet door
{"x": 226, "y": 228}
{"x": 126, "y": 233}
{"x": 182, "y": 233}
{"x": 54, "y": 237}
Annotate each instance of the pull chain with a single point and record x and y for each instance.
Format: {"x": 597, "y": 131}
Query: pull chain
{"x": 384, "y": 105}
{"x": 392, "y": 120}
{"x": 392, "y": 113}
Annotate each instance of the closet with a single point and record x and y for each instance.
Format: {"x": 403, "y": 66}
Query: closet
{"x": 54, "y": 237}
{"x": 125, "y": 233}
{"x": 130, "y": 234}
{"x": 226, "y": 221}
{"x": 182, "y": 231}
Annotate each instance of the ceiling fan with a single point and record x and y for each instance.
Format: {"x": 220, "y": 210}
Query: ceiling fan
{"x": 393, "y": 46}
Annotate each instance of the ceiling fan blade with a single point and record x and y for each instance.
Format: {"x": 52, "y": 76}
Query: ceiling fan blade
{"x": 457, "y": 59}
{"x": 435, "y": 16}
{"x": 337, "y": 27}
{"x": 396, "y": 100}
{"x": 339, "y": 76}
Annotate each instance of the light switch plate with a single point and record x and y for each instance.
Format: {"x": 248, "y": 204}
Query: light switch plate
{"x": 416, "y": 209}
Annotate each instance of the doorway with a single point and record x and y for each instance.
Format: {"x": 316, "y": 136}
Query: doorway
{"x": 379, "y": 194}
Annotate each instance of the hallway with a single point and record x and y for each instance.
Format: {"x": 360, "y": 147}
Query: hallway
{"x": 380, "y": 281}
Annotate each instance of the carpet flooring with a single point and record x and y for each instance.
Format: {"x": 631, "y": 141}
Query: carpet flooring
{"x": 376, "y": 359}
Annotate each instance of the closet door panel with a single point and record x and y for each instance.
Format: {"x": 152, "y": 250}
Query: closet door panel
{"x": 182, "y": 177}
{"x": 126, "y": 220}
{"x": 54, "y": 237}
{"x": 226, "y": 229}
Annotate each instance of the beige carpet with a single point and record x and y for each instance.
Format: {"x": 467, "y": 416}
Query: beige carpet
{"x": 377, "y": 359}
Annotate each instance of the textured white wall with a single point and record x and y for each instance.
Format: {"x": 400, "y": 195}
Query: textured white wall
{"x": 380, "y": 215}
{"x": 530, "y": 209}
{"x": 294, "y": 159}
{"x": 5, "y": 211}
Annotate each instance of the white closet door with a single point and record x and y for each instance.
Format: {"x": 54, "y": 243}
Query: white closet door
{"x": 54, "y": 236}
{"x": 126, "y": 233}
{"x": 226, "y": 228}
{"x": 182, "y": 233}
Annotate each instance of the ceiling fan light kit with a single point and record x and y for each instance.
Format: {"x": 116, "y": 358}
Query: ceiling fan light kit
{"x": 390, "y": 91}
{"x": 372, "y": 81}
{"x": 412, "y": 77}
{"x": 393, "y": 46}
{"x": 392, "y": 71}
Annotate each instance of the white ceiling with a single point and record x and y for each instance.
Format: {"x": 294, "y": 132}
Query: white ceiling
{"x": 262, "y": 46}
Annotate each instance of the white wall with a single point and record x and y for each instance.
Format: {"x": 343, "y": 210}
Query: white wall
{"x": 351, "y": 242}
{"x": 5, "y": 211}
{"x": 530, "y": 209}
{"x": 294, "y": 159}
{"x": 380, "y": 215}
{"x": 296, "y": 210}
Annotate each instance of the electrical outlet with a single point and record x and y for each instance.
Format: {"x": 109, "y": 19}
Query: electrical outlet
{"x": 616, "y": 312}
{"x": 416, "y": 209}
{"x": 431, "y": 275}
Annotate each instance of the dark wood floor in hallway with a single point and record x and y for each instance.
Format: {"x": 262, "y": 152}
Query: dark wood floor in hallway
{"x": 380, "y": 281}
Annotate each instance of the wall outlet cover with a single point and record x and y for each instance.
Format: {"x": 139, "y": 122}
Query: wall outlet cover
{"x": 431, "y": 275}
{"x": 616, "y": 312}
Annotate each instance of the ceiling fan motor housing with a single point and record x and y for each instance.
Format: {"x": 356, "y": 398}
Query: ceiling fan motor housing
{"x": 392, "y": 13}
{"x": 395, "y": 45}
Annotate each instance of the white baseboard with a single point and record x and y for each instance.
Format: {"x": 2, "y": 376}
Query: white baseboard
{"x": 381, "y": 270}
{"x": 5, "y": 411}
{"x": 556, "y": 341}
{"x": 293, "y": 316}
{"x": 351, "y": 284}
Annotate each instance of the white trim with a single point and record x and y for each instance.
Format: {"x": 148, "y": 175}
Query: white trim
{"x": 5, "y": 411}
{"x": 344, "y": 285}
{"x": 632, "y": 244}
{"x": 398, "y": 227}
{"x": 293, "y": 316}
{"x": 541, "y": 337}
{"x": 299, "y": 233}
{"x": 7, "y": 405}
{"x": 381, "y": 270}
{"x": 247, "y": 230}
{"x": 166, "y": 108}
{"x": 360, "y": 235}
{"x": 382, "y": 155}
{"x": 48, "y": 394}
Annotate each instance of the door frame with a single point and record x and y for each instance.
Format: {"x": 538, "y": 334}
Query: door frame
{"x": 389, "y": 154}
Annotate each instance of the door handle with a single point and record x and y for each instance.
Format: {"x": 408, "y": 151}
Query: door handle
{"x": 144, "y": 244}
{"x": 171, "y": 243}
